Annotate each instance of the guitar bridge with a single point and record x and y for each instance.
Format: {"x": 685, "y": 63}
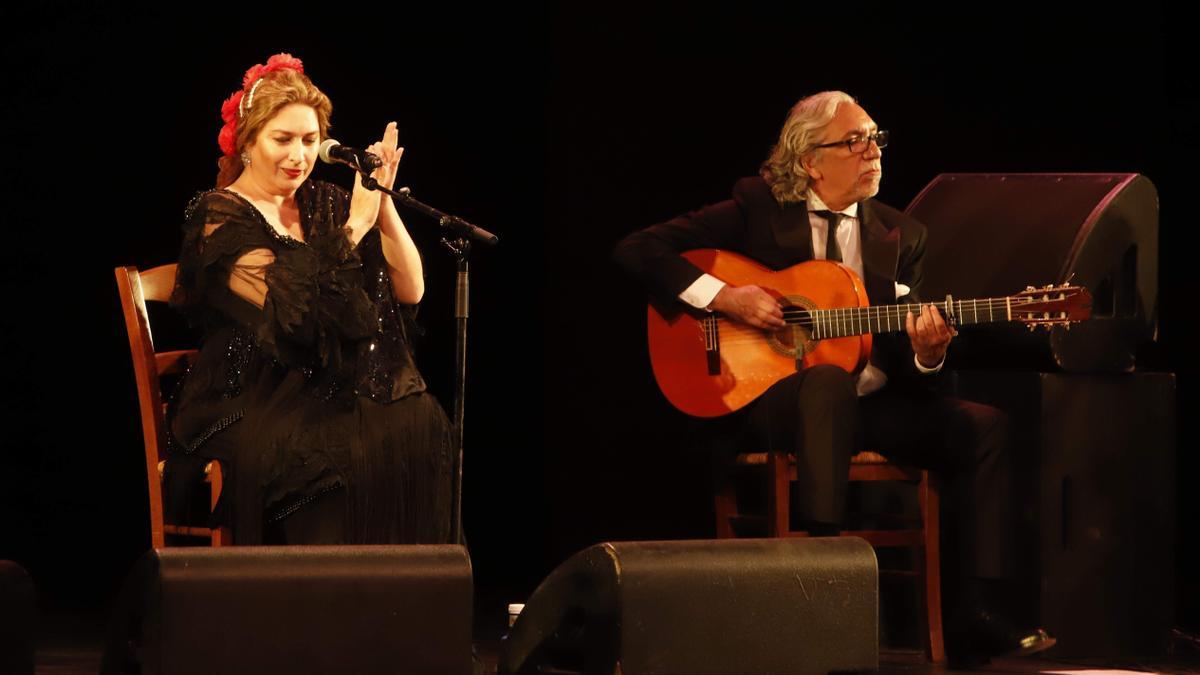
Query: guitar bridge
{"x": 712, "y": 344}
{"x": 798, "y": 340}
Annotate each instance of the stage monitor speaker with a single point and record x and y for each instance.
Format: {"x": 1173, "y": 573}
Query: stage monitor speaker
{"x": 991, "y": 235}
{"x": 302, "y": 609}
{"x": 16, "y": 620}
{"x": 1094, "y": 464}
{"x": 722, "y": 607}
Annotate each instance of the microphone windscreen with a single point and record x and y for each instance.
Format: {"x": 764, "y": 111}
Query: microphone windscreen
{"x": 327, "y": 145}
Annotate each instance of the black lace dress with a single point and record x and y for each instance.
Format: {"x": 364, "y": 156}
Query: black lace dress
{"x": 305, "y": 383}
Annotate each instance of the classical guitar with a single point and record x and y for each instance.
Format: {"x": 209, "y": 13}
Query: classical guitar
{"x": 708, "y": 365}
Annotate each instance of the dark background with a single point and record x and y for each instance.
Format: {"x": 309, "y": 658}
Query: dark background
{"x": 560, "y": 129}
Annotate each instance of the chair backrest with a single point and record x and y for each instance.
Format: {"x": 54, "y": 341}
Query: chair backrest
{"x": 136, "y": 289}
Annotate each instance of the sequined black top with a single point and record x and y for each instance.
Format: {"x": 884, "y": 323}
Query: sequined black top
{"x": 328, "y": 310}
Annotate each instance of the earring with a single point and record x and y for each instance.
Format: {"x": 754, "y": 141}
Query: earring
{"x": 245, "y": 158}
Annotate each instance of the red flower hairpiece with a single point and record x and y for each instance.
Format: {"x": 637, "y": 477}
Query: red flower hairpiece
{"x": 277, "y": 62}
{"x": 231, "y": 109}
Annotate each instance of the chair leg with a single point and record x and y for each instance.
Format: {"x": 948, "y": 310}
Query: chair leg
{"x": 935, "y": 648}
{"x": 221, "y": 536}
{"x": 778, "y": 495}
{"x": 725, "y": 506}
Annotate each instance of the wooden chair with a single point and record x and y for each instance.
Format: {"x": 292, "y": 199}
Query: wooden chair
{"x": 780, "y": 472}
{"x": 137, "y": 288}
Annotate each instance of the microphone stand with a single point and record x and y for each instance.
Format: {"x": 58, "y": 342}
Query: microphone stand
{"x": 457, "y": 235}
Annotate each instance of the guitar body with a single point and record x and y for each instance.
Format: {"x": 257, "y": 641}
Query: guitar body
{"x": 708, "y": 365}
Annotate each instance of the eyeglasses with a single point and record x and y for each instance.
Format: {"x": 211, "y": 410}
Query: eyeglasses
{"x": 859, "y": 144}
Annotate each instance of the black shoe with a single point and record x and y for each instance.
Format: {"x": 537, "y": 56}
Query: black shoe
{"x": 981, "y": 636}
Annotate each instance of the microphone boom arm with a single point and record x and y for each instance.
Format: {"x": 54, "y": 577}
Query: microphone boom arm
{"x": 459, "y": 228}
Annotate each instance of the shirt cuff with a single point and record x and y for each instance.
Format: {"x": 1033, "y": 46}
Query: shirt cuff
{"x": 702, "y": 291}
{"x": 925, "y": 370}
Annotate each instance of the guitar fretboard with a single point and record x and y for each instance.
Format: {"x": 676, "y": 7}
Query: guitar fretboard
{"x": 842, "y": 322}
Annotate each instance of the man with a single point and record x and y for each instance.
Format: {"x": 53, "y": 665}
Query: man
{"x": 813, "y": 200}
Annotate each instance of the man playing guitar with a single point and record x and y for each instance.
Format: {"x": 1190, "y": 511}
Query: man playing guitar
{"x": 813, "y": 201}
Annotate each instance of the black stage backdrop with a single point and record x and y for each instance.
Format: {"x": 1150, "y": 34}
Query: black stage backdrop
{"x": 560, "y": 129}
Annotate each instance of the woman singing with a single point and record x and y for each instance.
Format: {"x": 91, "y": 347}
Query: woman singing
{"x": 305, "y": 388}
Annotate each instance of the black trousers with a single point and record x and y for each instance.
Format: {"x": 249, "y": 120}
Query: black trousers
{"x": 816, "y": 415}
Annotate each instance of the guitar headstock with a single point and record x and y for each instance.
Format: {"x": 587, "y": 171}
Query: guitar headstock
{"x": 1051, "y": 305}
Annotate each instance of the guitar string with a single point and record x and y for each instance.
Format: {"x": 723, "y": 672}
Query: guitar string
{"x": 991, "y": 303}
{"x": 884, "y": 312}
{"x": 842, "y": 322}
{"x": 874, "y": 313}
{"x": 851, "y": 325}
{"x": 836, "y": 321}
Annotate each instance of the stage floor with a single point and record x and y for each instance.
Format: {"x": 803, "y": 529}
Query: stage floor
{"x": 71, "y": 643}
{"x": 85, "y": 660}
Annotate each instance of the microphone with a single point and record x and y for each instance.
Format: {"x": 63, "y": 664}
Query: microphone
{"x": 333, "y": 152}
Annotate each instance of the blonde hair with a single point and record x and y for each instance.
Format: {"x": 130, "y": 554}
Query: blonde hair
{"x": 272, "y": 92}
{"x": 784, "y": 169}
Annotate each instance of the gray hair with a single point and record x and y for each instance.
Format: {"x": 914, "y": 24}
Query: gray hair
{"x": 783, "y": 170}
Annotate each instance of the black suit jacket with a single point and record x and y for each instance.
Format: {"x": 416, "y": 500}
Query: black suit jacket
{"x": 754, "y": 224}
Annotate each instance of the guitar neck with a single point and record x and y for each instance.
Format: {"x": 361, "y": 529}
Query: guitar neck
{"x": 846, "y": 321}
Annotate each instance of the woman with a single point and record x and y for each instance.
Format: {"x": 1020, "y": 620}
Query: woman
{"x": 305, "y": 388}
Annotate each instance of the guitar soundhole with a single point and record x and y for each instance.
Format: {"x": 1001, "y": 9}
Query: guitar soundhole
{"x": 795, "y": 312}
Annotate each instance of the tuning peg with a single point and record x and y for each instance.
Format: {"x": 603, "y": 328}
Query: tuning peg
{"x": 1030, "y": 288}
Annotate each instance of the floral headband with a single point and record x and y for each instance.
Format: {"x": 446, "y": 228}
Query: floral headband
{"x": 235, "y": 107}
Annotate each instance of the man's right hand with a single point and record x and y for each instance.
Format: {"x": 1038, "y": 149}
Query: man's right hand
{"x": 750, "y": 305}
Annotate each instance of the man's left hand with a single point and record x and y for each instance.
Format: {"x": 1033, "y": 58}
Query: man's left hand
{"x": 929, "y": 334}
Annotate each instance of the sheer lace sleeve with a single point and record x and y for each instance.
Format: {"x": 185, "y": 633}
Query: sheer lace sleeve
{"x": 217, "y": 232}
{"x": 248, "y": 278}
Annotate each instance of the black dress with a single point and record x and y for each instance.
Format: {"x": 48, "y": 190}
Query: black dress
{"x": 305, "y": 383}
